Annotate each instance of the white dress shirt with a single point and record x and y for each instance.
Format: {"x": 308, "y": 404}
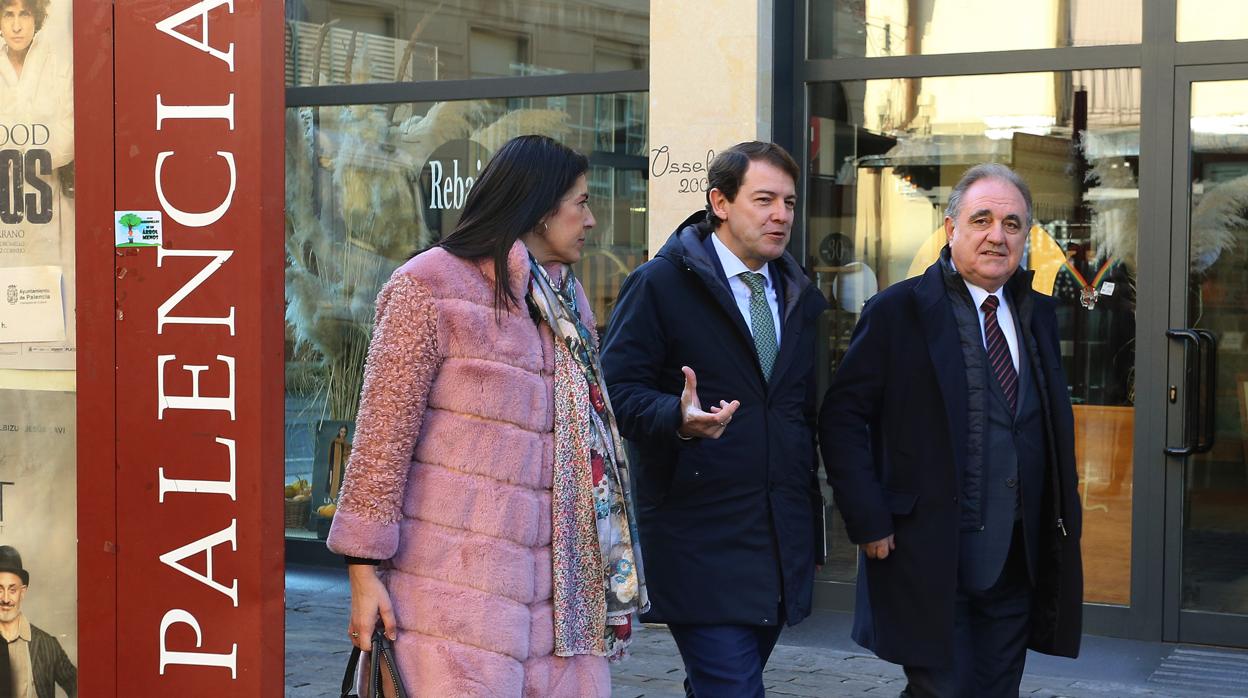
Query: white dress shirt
{"x": 1005, "y": 318}
{"x": 733, "y": 267}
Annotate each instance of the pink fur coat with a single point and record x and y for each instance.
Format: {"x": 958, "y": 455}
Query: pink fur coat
{"x": 449, "y": 481}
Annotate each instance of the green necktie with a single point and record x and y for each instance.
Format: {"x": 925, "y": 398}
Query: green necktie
{"x": 762, "y": 324}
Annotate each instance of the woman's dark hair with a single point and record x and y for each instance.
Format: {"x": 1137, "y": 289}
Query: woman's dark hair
{"x": 727, "y": 171}
{"x": 523, "y": 182}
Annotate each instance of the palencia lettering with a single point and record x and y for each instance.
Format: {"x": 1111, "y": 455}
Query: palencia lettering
{"x": 214, "y": 644}
{"x": 25, "y": 194}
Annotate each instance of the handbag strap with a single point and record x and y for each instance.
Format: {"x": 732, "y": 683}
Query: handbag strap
{"x": 382, "y": 652}
{"x": 348, "y": 678}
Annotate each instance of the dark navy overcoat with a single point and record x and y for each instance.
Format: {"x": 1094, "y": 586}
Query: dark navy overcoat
{"x": 728, "y": 526}
{"x": 893, "y": 433}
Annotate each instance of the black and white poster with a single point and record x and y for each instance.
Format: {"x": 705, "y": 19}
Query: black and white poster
{"x": 37, "y": 178}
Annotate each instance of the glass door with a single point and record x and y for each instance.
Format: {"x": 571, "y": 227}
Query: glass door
{"x": 1207, "y": 472}
{"x": 883, "y": 156}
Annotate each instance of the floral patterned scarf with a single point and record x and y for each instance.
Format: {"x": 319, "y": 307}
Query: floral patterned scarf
{"x": 598, "y": 577}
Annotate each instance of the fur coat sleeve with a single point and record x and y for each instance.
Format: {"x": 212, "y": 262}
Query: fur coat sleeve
{"x": 403, "y": 358}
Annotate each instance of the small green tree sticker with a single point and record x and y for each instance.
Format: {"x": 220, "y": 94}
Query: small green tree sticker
{"x": 130, "y": 220}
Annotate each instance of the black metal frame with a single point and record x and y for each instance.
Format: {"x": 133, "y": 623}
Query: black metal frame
{"x": 480, "y": 88}
{"x": 1154, "y": 612}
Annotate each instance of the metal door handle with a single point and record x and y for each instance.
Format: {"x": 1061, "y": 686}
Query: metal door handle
{"x": 1209, "y": 363}
{"x": 1188, "y": 448}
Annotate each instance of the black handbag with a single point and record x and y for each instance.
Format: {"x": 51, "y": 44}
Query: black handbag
{"x": 382, "y": 653}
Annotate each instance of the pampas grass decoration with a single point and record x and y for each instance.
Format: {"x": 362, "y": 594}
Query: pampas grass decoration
{"x": 1115, "y": 219}
{"x": 543, "y": 122}
{"x": 1218, "y": 216}
{"x": 419, "y": 136}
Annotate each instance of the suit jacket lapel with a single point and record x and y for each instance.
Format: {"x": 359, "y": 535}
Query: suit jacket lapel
{"x": 700, "y": 258}
{"x": 788, "y": 280}
{"x": 940, "y": 329}
{"x": 717, "y": 282}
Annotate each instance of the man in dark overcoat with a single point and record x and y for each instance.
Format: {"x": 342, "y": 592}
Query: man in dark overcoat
{"x": 709, "y": 360}
{"x": 948, "y": 438}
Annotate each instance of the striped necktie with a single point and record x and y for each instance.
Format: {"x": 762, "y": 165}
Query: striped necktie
{"x": 999, "y": 352}
{"x": 762, "y": 326}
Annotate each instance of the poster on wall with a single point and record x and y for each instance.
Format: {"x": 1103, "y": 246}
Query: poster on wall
{"x": 38, "y": 465}
{"x": 37, "y": 172}
{"x": 333, "y": 448}
{"x": 38, "y": 538}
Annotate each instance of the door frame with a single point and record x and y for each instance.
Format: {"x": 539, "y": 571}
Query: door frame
{"x": 1179, "y": 625}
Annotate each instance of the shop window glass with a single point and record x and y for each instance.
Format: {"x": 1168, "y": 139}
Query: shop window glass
{"x": 872, "y": 28}
{"x": 331, "y": 42}
{"x": 368, "y": 185}
{"x": 1212, "y": 20}
{"x": 38, "y": 346}
{"x": 884, "y": 156}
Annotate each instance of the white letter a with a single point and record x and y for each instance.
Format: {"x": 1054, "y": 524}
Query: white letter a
{"x": 174, "y": 559}
{"x": 170, "y": 25}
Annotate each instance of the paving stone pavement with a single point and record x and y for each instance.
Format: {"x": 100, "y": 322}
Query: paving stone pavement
{"x": 317, "y": 650}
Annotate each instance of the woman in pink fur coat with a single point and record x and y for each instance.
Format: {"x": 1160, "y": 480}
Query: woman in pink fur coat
{"x": 485, "y": 512}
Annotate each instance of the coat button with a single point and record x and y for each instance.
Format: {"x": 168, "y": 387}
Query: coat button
{"x": 1010, "y": 482}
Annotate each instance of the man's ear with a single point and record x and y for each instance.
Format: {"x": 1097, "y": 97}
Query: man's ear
{"x": 948, "y": 229}
{"x": 719, "y": 203}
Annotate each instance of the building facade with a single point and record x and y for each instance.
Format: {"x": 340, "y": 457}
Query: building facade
{"x": 145, "y": 268}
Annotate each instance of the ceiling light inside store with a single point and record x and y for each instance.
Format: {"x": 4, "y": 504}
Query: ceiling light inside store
{"x": 1004, "y": 127}
{"x": 1224, "y": 125}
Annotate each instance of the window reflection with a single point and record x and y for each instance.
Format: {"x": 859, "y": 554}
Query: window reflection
{"x": 870, "y": 28}
{"x": 884, "y": 155}
{"x": 1212, "y": 20}
{"x": 330, "y": 42}
{"x": 368, "y": 185}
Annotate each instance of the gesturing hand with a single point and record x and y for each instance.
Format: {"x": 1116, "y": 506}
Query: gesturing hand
{"x": 695, "y": 422}
{"x": 878, "y": 549}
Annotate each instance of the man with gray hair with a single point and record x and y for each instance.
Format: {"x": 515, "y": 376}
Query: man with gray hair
{"x": 948, "y": 438}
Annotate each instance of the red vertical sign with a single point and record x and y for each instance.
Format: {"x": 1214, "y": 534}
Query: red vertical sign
{"x": 198, "y": 102}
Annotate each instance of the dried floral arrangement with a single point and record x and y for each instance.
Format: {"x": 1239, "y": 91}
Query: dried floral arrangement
{"x": 1220, "y": 212}
{"x": 354, "y": 213}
